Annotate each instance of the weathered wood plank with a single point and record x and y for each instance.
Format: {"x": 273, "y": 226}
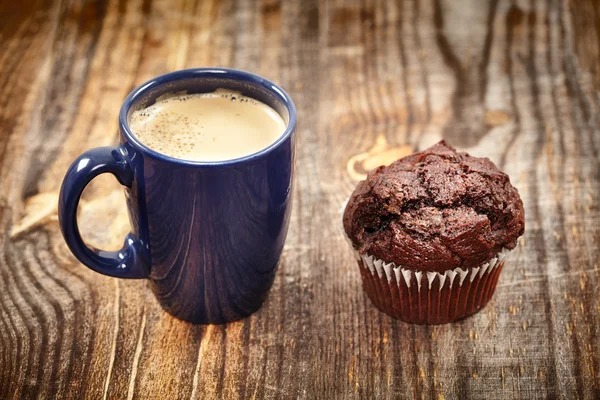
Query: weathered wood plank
{"x": 373, "y": 80}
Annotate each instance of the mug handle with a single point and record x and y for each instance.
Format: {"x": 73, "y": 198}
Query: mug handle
{"x": 130, "y": 260}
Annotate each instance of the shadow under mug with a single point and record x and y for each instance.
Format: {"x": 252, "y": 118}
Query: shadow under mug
{"x": 207, "y": 235}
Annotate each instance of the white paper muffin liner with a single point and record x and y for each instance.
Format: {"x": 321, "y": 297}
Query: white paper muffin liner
{"x": 425, "y": 297}
{"x": 405, "y": 276}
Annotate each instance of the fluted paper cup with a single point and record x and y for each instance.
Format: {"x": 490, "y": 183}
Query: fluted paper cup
{"x": 425, "y": 297}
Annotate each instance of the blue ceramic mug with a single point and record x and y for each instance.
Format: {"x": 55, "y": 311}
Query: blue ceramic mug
{"x": 207, "y": 235}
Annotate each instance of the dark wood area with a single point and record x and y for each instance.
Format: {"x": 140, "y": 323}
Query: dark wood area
{"x": 516, "y": 81}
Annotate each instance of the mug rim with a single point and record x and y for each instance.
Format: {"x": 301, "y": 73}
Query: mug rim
{"x": 227, "y": 73}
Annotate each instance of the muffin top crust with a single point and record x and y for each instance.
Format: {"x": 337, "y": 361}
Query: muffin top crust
{"x": 435, "y": 210}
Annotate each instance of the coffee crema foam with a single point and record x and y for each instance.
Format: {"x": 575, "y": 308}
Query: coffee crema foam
{"x": 217, "y": 126}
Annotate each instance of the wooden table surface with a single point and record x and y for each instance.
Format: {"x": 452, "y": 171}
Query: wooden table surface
{"x": 372, "y": 80}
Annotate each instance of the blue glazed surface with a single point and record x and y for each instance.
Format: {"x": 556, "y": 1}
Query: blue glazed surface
{"x": 208, "y": 235}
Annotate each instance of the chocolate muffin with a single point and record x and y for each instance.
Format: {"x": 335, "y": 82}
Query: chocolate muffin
{"x": 431, "y": 231}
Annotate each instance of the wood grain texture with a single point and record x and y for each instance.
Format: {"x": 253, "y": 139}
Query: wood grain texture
{"x": 516, "y": 81}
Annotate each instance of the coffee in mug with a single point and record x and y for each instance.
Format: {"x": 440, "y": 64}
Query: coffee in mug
{"x": 216, "y": 126}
